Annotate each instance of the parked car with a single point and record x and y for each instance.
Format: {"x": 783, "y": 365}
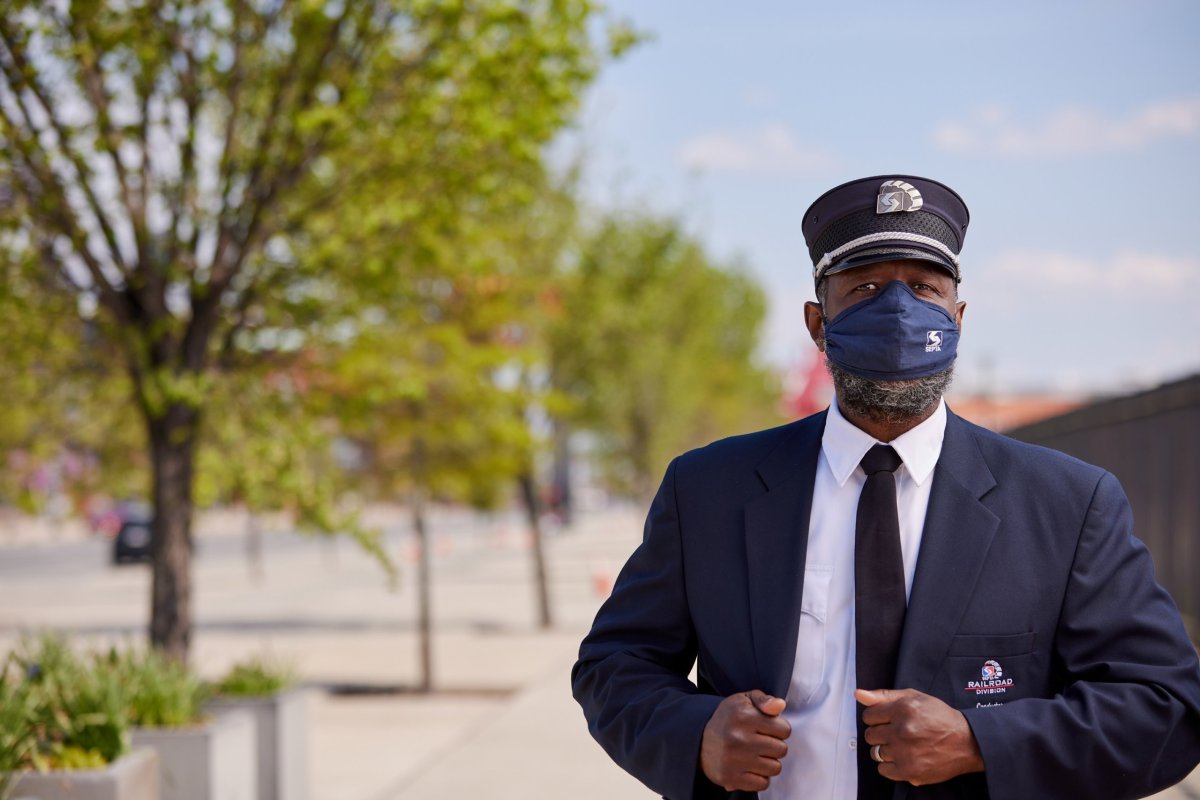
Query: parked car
{"x": 134, "y": 540}
{"x": 105, "y": 516}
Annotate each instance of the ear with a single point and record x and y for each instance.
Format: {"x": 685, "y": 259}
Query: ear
{"x": 960, "y": 308}
{"x": 816, "y": 325}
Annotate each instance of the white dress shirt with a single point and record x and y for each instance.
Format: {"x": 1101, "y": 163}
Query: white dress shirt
{"x": 821, "y": 760}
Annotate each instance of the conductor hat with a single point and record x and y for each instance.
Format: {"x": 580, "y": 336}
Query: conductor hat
{"x": 882, "y": 218}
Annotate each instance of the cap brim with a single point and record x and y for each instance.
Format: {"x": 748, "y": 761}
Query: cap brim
{"x": 873, "y": 254}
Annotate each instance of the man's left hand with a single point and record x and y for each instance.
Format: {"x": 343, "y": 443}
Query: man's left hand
{"x": 921, "y": 739}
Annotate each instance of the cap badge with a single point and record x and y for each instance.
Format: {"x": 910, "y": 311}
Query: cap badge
{"x": 897, "y": 196}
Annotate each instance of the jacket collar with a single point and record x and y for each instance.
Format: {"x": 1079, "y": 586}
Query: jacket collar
{"x": 776, "y": 546}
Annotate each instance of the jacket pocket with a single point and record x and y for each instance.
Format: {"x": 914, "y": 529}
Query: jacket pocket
{"x": 990, "y": 669}
{"x": 993, "y": 645}
{"x": 809, "y": 669}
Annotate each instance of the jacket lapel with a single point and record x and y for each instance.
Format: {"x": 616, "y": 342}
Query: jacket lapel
{"x": 776, "y": 545}
{"x": 954, "y": 545}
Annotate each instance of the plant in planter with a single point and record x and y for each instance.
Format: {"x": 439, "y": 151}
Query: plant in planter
{"x": 75, "y": 708}
{"x": 256, "y": 677}
{"x": 16, "y": 735}
{"x": 268, "y": 689}
{"x": 202, "y": 757}
{"x": 63, "y": 728}
{"x": 159, "y": 693}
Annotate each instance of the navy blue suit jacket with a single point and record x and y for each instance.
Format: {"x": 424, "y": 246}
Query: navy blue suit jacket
{"x": 1027, "y": 559}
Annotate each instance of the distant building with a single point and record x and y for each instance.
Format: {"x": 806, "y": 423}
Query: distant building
{"x": 1005, "y": 412}
{"x": 1151, "y": 441}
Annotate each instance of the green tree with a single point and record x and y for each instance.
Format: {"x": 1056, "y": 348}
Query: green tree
{"x": 272, "y": 445}
{"x": 199, "y": 172}
{"x": 428, "y": 385}
{"x": 654, "y": 347}
{"x": 65, "y": 403}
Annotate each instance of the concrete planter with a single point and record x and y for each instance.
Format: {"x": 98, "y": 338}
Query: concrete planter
{"x": 213, "y": 761}
{"x": 282, "y": 721}
{"x": 133, "y": 776}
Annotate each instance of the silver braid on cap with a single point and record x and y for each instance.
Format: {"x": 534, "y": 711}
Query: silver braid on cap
{"x": 889, "y": 236}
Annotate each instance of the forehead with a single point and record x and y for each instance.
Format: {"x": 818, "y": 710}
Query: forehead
{"x": 894, "y": 270}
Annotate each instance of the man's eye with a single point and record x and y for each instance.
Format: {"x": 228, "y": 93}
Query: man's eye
{"x": 866, "y": 287}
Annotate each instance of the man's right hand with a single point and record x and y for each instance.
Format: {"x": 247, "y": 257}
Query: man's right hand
{"x": 744, "y": 741}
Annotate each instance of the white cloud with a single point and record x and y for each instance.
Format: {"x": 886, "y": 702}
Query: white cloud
{"x": 1020, "y": 272}
{"x": 772, "y": 148}
{"x": 1071, "y": 130}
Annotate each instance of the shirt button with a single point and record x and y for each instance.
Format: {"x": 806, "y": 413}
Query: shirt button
{"x": 853, "y": 744}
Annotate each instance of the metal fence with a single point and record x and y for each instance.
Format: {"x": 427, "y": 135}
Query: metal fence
{"x": 1151, "y": 442}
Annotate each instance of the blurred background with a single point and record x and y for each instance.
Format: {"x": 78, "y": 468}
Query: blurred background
{"x": 353, "y": 338}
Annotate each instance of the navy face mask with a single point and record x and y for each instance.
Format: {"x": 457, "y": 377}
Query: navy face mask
{"x": 893, "y": 336}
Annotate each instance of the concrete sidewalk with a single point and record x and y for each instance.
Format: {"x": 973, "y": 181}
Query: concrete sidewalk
{"x": 503, "y": 724}
{"x": 537, "y": 746}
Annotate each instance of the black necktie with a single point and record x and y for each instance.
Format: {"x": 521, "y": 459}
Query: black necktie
{"x": 879, "y": 597}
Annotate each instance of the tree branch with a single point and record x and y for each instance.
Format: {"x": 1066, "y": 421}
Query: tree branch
{"x": 92, "y": 80}
{"x": 187, "y": 147}
{"x": 245, "y": 237}
{"x": 220, "y": 274}
{"x": 234, "y": 93}
{"x": 49, "y": 209}
{"x": 289, "y": 172}
{"x": 20, "y": 74}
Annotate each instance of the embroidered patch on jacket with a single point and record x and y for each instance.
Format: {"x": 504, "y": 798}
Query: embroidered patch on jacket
{"x": 991, "y": 680}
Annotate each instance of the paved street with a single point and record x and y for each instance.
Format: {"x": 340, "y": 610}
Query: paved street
{"x": 501, "y": 724}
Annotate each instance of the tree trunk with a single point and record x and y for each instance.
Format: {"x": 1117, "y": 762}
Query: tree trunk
{"x": 424, "y": 604}
{"x": 564, "y": 497}
{"x": 254, "y": 559}
{"x": 640, "y": 428}
{"x": 529, "y": 496}
{"x": 172, "y": 453}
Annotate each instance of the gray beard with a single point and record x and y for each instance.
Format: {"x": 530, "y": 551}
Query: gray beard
{"x": 890, "y": 402}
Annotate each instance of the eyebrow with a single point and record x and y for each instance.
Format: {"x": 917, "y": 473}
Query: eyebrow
{"x": 874, "y": 275}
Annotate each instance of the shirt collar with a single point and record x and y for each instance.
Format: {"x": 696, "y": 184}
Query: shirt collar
{"x": 844, "y": 445}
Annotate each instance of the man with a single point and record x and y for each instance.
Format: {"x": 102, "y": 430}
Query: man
{"x": 883, "y": 600}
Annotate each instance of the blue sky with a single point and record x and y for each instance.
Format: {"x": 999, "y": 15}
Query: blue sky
{"x": 1071, "y": 129}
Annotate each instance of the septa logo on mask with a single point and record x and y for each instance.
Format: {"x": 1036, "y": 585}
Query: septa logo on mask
{"x": 933, "y": 342}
